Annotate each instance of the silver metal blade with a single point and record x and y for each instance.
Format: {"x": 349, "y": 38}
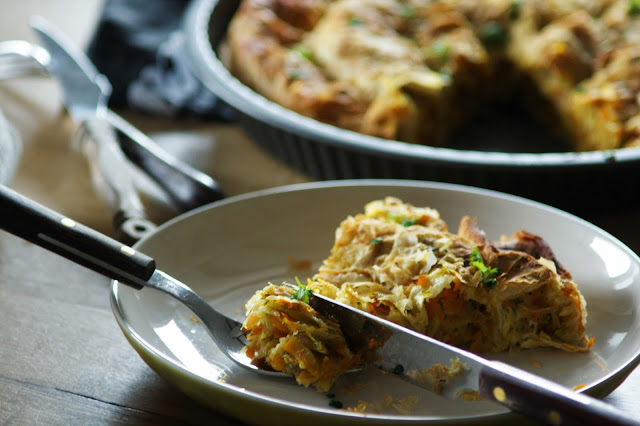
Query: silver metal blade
{"x": 404, "y": 351}
{"x": 86, "y": 91}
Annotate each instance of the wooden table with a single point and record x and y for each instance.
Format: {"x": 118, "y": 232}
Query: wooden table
{"x": 63, "y": 359}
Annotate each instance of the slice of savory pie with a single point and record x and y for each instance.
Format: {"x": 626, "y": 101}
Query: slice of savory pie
{"x": 401, "y": 263}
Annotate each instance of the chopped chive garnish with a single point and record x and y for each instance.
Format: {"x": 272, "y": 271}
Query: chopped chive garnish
{"x": 355, "y": 22}
{"x": 302, "y": 293}
{"x": 493, "y": 34}
{"x": 488, "y": 273}
{"x": 407, "y": 11}
{"x": 409, "y": 222}
{"x": 514, "y": 9}
{"x": 304, "y": 51}
{"x": 296, "y": 74}
{"x": 441, "y": 51}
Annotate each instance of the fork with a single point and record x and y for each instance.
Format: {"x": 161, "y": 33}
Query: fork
{"x": 87, "y": 247}
{"x": 19, "y": 58}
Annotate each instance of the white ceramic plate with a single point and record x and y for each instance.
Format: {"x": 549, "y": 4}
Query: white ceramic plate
{"x": 230, "y": 249}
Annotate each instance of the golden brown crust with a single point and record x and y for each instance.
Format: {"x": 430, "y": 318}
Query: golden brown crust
{"x": 417, "y": 70}
{"x": 259, "y": 41}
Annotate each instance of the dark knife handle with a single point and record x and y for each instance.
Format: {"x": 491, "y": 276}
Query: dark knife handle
{"x": 109, "y": 170}
{"x": 35, "y": 223}
{"x": 188, "y": 187}
{"x": 544, "y": 400}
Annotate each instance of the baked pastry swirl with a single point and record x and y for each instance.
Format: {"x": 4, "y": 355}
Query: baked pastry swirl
{"x": 418, "y": 70}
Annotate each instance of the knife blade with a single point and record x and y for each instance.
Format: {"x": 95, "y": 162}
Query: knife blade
{"x": 409, "y": 354}
{"x": 86, "y": 93}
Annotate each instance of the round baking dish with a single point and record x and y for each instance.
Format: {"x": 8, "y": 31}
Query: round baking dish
{"x": 574, "y": 181}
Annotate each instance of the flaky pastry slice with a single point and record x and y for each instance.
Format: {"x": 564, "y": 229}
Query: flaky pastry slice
{"x": 401, "y": 263}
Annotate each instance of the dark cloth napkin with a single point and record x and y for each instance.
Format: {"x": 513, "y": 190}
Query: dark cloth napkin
{"x": 139, "y": 46}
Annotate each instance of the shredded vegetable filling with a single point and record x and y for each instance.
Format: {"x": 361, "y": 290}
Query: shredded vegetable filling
{"x": 401, "y": 263}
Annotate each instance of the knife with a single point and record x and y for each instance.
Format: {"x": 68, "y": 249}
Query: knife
{"x": 186, "y": 186}
{"x": 86, "y": 93}
{"x": 405, "y": 351}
